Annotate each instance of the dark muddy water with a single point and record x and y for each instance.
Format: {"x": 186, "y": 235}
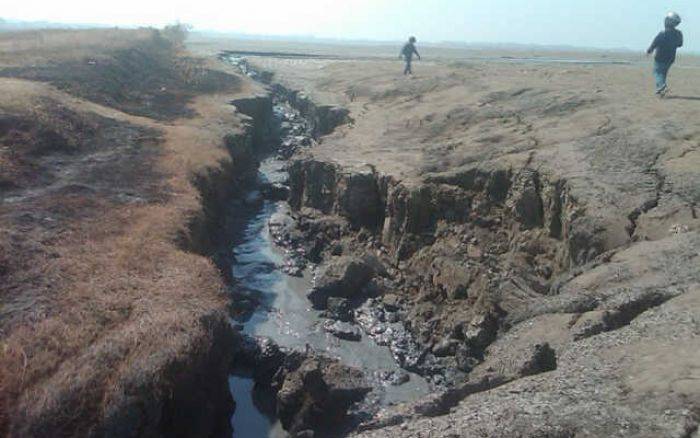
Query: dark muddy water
{"x": 285, "y": 314}
{"x": 249, "y": 420}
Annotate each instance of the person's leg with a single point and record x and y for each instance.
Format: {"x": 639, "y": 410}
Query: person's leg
{"x": 660, "y": 74}
{"x": 407, "y": 70}
{"x": 658, "y": 78}
{"x": 668, "y": 68}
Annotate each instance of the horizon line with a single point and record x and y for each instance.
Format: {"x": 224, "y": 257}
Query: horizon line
{"x": 28, "y": 25}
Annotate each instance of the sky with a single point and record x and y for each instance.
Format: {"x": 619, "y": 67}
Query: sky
{"x": 585, "y": 23}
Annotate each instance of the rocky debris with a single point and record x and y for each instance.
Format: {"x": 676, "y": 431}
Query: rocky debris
{"x": 407, "y": 352}
{"x": 275, "y": 191}
{"x": 603, "y": 371}
{"x": 467, "y": 237}
{"x": 451, "y": 239}
{"x": 480, "y": 332}
{"x": 446, "y": 347}
{"x": 315, "y": 233}
{"x": 399, "y": 378}
{"x": 531, "y": 360}
{"x": 260, "y": 354}
{"x": 339, "y": 309}
{"x": 343, "y": 330}
{"x": 323, "y": 119}
{"x": 283, "y": 229}
{"x": 434, "y": 405}
{"x": 343, "y": 277}
{"x": 294, "y": 267}
{"x": 294, "y": 131}
{"x": 395, "y": 378}
{"x": 310, "y": 392}
{"x": 241, "y": 63}
{"x": 455, "y": 278}
{"x": 452, "y": 244}
{"x": 315, "y": 395}
{"x": 391, "y": 302}
{"x": 466, "y": 359}
{"x": 525, "y": 201}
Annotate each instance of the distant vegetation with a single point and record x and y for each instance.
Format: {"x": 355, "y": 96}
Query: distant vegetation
{"x": 176, "y": 33}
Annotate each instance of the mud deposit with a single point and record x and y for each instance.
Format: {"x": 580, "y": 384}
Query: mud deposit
{"x": 272, "y": 278}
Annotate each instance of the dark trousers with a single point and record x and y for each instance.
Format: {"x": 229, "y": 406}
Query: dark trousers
{"x": 408, "y": 70}
{"x": 660, "y": 73}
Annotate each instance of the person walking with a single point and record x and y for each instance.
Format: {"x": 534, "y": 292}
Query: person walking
{"x": 665, "y": 45}
{"x": 407, "y": 52}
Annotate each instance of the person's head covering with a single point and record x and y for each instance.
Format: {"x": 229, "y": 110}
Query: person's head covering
{"x": 672, "y": 20}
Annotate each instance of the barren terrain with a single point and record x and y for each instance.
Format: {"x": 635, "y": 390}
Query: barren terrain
{"x": 538, "y": 225}
{"x": 520, "y": 228}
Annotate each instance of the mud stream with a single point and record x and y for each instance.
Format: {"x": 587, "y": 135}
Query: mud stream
{"x": 272, "y": 277}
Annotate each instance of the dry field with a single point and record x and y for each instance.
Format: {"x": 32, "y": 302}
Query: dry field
{"x": 102, "y": 307}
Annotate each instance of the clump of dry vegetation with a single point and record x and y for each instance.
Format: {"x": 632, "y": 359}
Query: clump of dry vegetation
{"x": 100, "y": 310}
{"x": 145, "y": 78}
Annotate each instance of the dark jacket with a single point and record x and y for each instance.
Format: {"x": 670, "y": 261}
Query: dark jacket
{"x": 408, "y": 50}
{"x": 666, "y": 43}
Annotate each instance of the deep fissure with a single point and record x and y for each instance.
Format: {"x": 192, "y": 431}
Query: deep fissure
{"x": 326, "y": 195}
{"x": 271, "y": 278}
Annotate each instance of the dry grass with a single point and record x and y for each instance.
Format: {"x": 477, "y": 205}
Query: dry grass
{"x": 37, "y": 47}
{"x": 96, "y": 298}
{"x": 146, "y": 77}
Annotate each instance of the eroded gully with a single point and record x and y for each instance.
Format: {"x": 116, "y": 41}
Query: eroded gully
{"x": 272, "y": 281}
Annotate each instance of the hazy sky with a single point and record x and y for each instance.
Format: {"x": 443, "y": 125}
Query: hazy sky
{"x": 589, "y": 23}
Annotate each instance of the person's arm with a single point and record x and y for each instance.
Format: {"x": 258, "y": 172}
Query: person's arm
{"x": 654, "y": 44}
{"x": 680, "y": 39}
{"x": 416, "y": 52}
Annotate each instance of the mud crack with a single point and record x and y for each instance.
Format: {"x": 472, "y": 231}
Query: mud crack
{"x": 649, "y": 204}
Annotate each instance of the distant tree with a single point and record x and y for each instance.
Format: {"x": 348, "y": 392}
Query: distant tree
{"x": 176, "y": 33}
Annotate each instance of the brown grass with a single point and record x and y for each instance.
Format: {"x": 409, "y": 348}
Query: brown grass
{"x": 39, "y": 47}
{"x": 96, "y": 298}
{"x": 146, "y": 78}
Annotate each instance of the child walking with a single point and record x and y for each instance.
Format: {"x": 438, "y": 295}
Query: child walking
{"x": 407, "y": 52}
{"x": 665, "y": 44}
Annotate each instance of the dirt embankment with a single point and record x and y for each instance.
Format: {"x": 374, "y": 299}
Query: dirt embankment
{"x": 534, "y": 226}
{"x": 116, "y": 150}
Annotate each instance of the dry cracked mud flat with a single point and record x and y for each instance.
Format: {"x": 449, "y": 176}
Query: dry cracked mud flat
{"x": 533, "y": 225}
